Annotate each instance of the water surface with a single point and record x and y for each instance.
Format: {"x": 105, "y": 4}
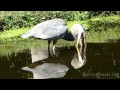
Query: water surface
{"x": 99, "y": 61}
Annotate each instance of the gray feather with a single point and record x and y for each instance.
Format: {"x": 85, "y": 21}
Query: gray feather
{"x": 51, "y": 29}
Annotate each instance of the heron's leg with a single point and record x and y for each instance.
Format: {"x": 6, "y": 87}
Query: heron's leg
{"x": 49, "y": 41}
{"x": 54, "y": 45}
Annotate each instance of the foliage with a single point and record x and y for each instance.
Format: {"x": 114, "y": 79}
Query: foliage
{"x": 19, "y": 19}
{"x": 104, "y": 23}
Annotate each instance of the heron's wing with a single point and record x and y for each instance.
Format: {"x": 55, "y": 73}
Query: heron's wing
{"x": 51, "y": 31}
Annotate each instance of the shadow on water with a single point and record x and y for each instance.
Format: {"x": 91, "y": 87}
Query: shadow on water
{"x": 97, "y": 61}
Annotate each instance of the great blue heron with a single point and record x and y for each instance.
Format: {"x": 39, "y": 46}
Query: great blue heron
{"x": 55, "y": 29}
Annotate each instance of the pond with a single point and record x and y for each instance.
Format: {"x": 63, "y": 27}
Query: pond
{"x": 97, "y": 61}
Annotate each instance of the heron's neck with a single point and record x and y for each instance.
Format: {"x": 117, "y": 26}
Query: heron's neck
{"x": 68, "y": 36}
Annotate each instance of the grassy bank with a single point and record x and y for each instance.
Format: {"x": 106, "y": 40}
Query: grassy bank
{"x": 101, "y": 31}
{"x": 109, "y": 36}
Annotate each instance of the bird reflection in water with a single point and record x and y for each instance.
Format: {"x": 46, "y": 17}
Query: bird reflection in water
{"x": 42, "y": 69}
{"x": 46, "y": 65}
{"x": 79, "y": 59}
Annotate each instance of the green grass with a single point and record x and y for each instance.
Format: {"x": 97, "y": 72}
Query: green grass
{"x": 103, "y": 36}
{"x": 12, "y": 33}
{"x": 10, "y": 40}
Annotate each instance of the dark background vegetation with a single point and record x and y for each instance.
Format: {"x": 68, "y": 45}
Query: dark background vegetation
{"x": 22, "y": 19}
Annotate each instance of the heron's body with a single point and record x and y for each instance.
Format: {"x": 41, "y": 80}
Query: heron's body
{"x": 48, "y": 30}
{"x": 56, "y": 29}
